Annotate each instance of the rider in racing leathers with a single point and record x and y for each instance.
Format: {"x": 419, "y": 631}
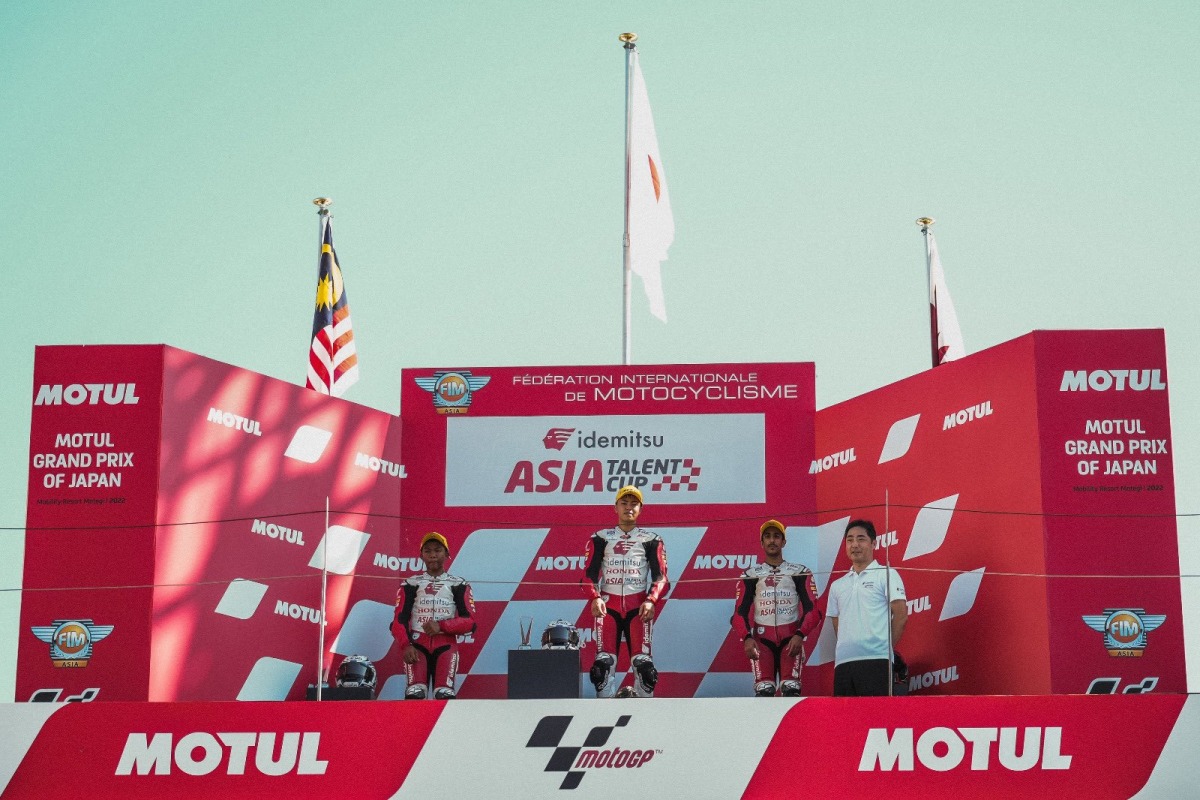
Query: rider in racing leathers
{"x": 625, "y": 576}
{"x": 775, "y": 611}
{"x": 432, "y": 610}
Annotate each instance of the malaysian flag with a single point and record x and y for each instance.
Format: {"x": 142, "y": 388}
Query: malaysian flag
{"x": 332, "y": 361}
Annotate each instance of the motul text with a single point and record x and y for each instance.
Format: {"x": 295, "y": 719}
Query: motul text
{"x": 203, "y": 753}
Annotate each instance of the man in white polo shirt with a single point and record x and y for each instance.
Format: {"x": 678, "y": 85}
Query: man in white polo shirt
{"x": 858, "y": 606}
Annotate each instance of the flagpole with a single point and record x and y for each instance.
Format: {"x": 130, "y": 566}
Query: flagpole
{"x": 322, "y": 204}
{"x": 322, "y": 673}
{"x": 627, "y": 40}
{"x": 924, "y": 224}
{"x": 887, "y": 557}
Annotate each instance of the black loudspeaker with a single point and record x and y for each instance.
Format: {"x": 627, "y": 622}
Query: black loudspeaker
{"x": 543, "y": 674}
{"x": 340, "y": 693}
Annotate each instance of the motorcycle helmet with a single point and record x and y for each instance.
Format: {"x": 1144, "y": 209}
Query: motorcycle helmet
{"x": 560, "y": 635}
{"x": 356, "y": 671}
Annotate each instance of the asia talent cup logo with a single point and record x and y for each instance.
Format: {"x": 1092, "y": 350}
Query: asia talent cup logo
{"x": 591, "y": 755}
{"x": 452, "y": 390}
{"x": 659, "y": 474}
{"x": 71, "y": 640}
{"x": 1124, "y": 629}
{"x": 564, "y": 460}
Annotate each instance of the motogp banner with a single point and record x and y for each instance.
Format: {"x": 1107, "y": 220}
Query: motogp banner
{"x": 518, "y": 466}
{"x": 936, "y": 747}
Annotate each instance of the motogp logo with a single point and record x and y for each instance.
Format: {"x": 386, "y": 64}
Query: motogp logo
{"x": 591, "y": 755}
{"x": 1124, "y": 629}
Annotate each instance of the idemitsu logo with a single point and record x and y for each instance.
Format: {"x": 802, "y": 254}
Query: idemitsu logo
{"x": 556, "y": 438}
{"x": 203, "y": 753}
{"x": 943, "y": 749}
{"x": 574, "y": 761}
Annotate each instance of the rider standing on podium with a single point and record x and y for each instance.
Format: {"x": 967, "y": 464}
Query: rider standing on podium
{"x": 774, "y": 612}
{"x": 432, "y": 610}
{"x": 625, "y": 576}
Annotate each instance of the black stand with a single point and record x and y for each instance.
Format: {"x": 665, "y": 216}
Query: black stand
{"x": 340, "y": 693}
{"x": 543, "y": 674}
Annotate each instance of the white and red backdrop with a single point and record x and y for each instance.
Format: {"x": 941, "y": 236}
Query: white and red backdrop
{"x": 520, "y": 470}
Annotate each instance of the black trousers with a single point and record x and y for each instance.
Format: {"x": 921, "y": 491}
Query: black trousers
{"x": 867, "y": 678}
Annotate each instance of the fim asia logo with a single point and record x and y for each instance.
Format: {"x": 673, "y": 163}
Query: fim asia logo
{"x": 1124, "y": 629}
{"x": 71, "y": 640}
{"x": 592, "y": 754}
{"x": 452, "y": 391}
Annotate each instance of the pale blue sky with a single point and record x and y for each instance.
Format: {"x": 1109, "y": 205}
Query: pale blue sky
{"x": 158, "y": 163}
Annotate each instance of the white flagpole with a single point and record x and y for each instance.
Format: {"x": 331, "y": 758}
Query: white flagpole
{"x": 627, "y": 40}
{"x": 322, "y": 204}
{"x": 924, "y": 223}
{"x": 322, "y": 675}
{"x": 887, "y": 557}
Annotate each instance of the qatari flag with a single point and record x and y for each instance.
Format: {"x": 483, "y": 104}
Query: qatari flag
{"x": 944, "y": 333}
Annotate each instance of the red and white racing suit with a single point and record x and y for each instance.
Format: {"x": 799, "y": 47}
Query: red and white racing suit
{"x": 625, "y": 569}
{"x": 446, "y": 600}
{"x": 773, "y": 604}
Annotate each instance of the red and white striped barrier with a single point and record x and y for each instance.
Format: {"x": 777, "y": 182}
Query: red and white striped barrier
{"x": 1109, "y": 746}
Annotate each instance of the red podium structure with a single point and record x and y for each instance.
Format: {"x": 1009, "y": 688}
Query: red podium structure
{"x": 1028, "y": 494}
{"x": 177, "y": 534}
{"x": 178, "y": 549}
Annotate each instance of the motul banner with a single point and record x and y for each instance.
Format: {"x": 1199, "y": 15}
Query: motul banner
{"x": 1026, "y": 495}
{"x": 1108, "y": 486}
{"x": 178, "y": 533}
{"x": 936, "y": 747}
{"x": 89, "y": 544}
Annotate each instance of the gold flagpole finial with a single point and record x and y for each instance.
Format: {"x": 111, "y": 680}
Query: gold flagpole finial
{"x": 322, "y": 204}
{"x": 628, "y": 38}
{"x": 925, "y": 222}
